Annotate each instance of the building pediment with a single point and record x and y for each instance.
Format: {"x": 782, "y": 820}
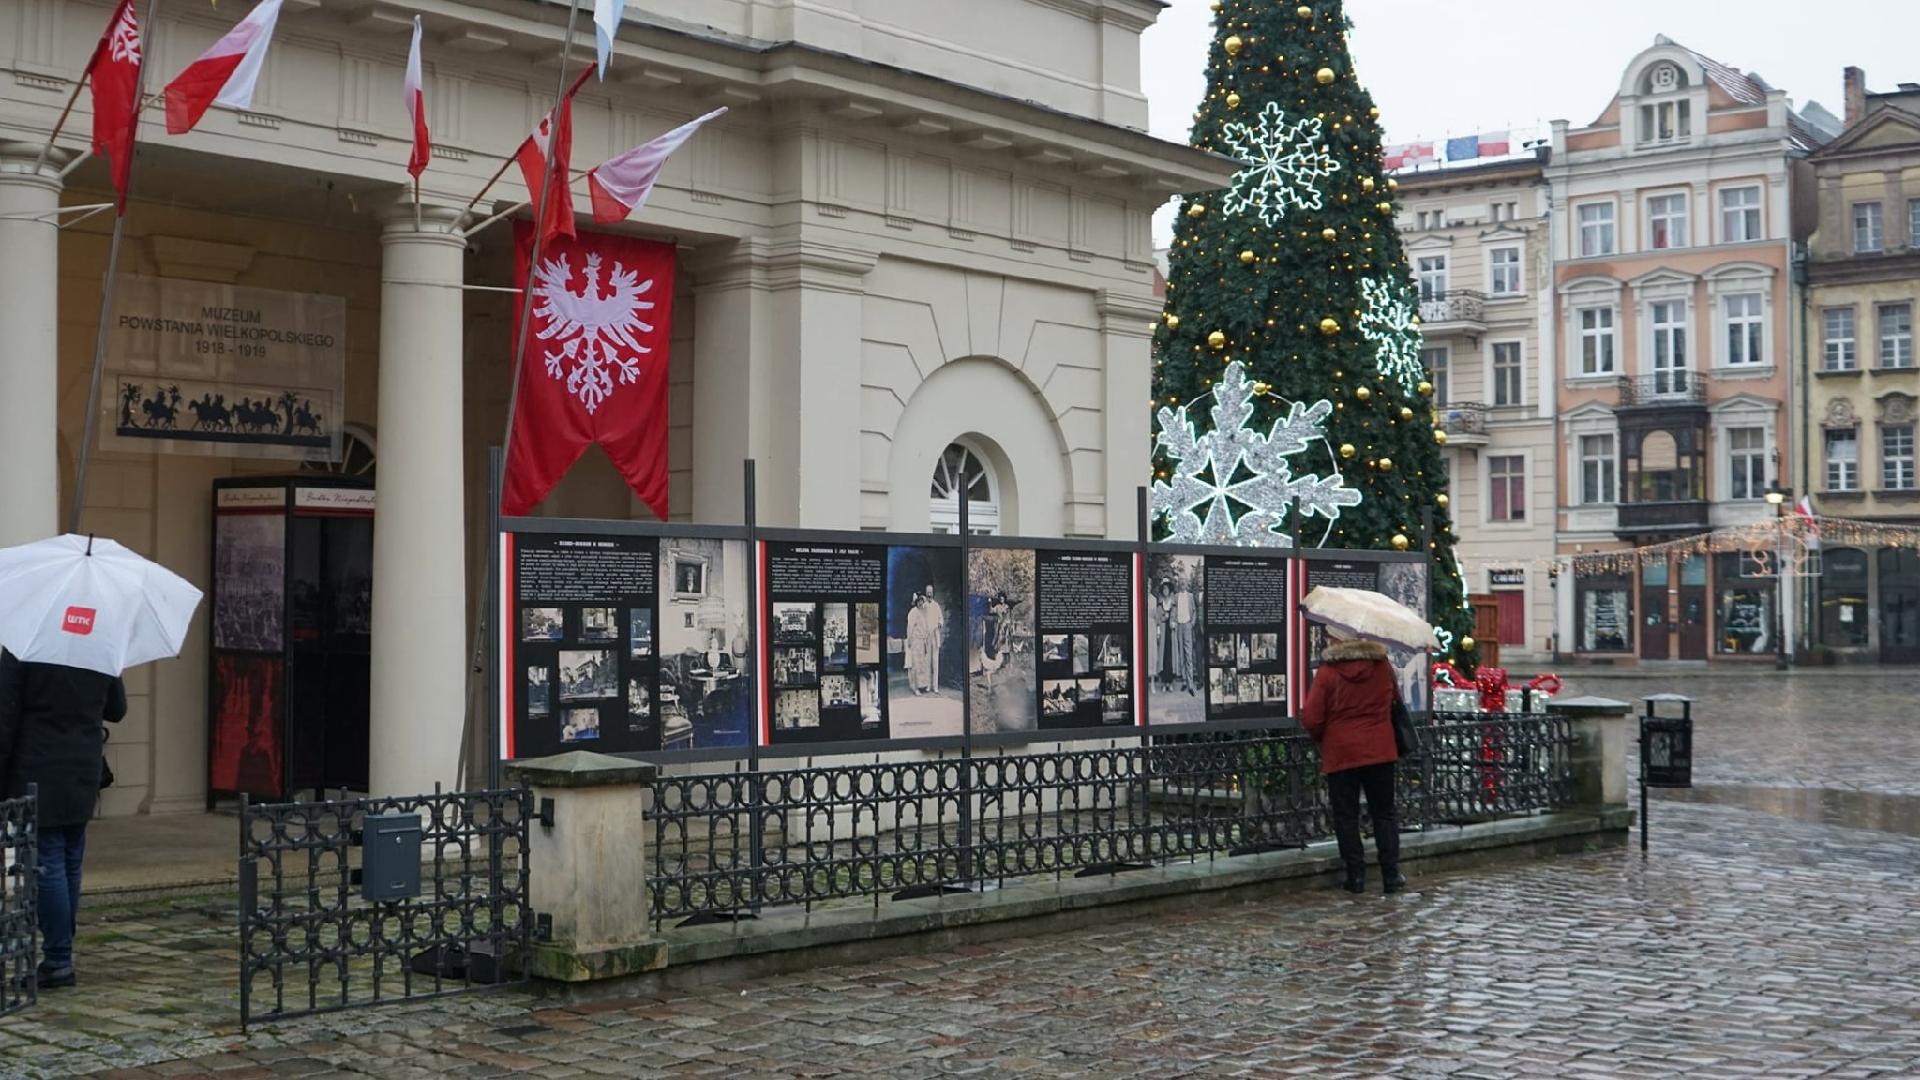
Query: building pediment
{"x": 1431, "y": 242}
{"x": 1897, "y": 408}
{"x": 1592, "y": 283}
{"x": 1591, "y": 411}
{"x": 1502, "y": 232}
{"x": 1747, "y": 403}
{"x": 1663, "y": 276}
{"x": 1889, "y": 128}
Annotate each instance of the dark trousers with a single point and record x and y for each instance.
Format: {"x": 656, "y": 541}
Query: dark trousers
{"x": 61, "y": 850}
{"x": 1343, "y": 796}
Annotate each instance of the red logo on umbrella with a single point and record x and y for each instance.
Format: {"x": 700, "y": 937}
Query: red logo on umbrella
{"x": 79, "y": 620}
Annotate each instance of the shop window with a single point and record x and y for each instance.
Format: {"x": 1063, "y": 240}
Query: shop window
{"x": 1843, "y": 598}
{"x": 1606, "y": 613}
{"x": 1743, "y": 613}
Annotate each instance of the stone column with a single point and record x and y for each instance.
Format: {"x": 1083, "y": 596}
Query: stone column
{"x": 731, "y": 394}
{"x": 420, "y": 625}
{"x": 1126, "y": 345}
{"x": 1601, "y": 738}
{"x": 813, "y": 478}
{"x": 590, "y": 866}
{"x": 29, "y": 344}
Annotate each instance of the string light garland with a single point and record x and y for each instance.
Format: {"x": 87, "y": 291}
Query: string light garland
{"x": 1794, "y": 538}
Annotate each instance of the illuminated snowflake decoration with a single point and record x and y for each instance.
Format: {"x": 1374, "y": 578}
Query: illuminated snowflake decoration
{"x": 1198, "y": 505}
{"x": 1286, "y": 164}
{"x": 1445, "y": 637}
{"x": 1388, "y": 325}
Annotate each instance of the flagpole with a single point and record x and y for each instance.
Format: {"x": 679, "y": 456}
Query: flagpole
{"x": 64, "y": 113}
{"x": 106, "y": 290}
{"x": 560, "y": 92}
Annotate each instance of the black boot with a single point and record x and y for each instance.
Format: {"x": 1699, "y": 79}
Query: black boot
{"x": 1356, "y": 881}
{"x": 1392, "y": 880}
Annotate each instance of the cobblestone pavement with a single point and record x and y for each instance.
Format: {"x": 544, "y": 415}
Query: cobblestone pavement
{"x": 1748, "y": 944}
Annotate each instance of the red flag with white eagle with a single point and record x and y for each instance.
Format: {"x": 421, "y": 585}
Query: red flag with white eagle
{"x": 416, "y": 107}
{"x": 226, "y": 73}
{"x": 596, "y": 364}
{"x": 115, "y": 72}
{"x": 552, "y": 137}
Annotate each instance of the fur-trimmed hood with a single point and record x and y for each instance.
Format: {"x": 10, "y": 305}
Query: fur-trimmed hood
{"x": 1354, "y": 650}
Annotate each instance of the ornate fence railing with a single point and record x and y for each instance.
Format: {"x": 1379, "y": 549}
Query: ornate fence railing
{"x": 311, "y": 939}
{"x": 19, "y": 902}
{"x": 724, "y": 845}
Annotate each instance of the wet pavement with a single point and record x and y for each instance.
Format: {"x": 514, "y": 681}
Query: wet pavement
{"x": 1774, "y": 930}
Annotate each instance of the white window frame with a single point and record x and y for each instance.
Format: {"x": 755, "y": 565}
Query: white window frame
{"x": 1749, "y": 349}
{"x": 1899, "y": 343}
{"x": 1913, "y": 223}
{"x": 1739, "y": 224}
{"x": 1842, "y": 474}
{"x": 1604, "y": 228}
{"x": 1678, "y": 339}
{"x": 1678, "y": 234}
{"x": 1869, "y": 227}
{"x": 1441, "y": 374}
{"x": 984, "y": 516}
{"x": 1751, "y": 457}
{"x": 1897, "y": 470}
{"x": 1604, "y": 339}
{"x": 1498, "y": 272}
{"x": 1519, "y": 369}
{"x": 1839, "y": 351}
{"x": 1679, "y": 110}
{"x": 1423, "y": 273}
{"x": 1526, "y": 490}
{"x": 1609, "y": 461}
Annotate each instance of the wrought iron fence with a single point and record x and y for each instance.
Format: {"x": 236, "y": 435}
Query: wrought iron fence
{"x": 311, "y": 942}
{"x": 19, "y": 901}
{"x": 726, "y": 845}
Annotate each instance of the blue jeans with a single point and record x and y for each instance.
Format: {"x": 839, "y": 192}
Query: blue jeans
{"x": 61, "y": 850}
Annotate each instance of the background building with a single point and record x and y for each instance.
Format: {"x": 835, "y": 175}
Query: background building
{"x": 1858, "y": 423}
{"x": 1672, "y": 332}
{"x": 1476, "y": 241}
{"x": 902, "y": 282}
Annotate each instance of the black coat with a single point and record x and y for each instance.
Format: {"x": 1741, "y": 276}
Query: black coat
{"x": 51, "y": 735}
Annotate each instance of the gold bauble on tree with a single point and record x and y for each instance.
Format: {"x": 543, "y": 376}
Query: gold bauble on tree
{"x": 1303, "y": 11}
{"x": 1392, "y": 184}
{"x": 1467, "y": 643}
{"x": 1363, "y": 393}
{"x": 1426, "y": 388}
{"x": 1347, "y": 450}
{"x": 1441, "y": 499}
{"x": 1329, "y": 326}
{"x": 1262, "y": 388}
{"x": 1217, "y": 339}
{"x": 1173, "y": 321}
{"x": 1197, "y": 210}
{"x": 1385, "y": 207}
{"x": 1233, "y": 99}
{"x": 1247, "y": 257}
{"x": 1386, "y": 464}
{"x": 1399, "y": 541}
{"x": 1324, "y": 76}
{"x": 1406, "y": 413}
{"x": 1367, "y": 184}
{"x": 1439, "y": 437}
{"x": 1373, "y": 113}
{"x": 1329, "y": 234}
{"x": 1233, "y": 44}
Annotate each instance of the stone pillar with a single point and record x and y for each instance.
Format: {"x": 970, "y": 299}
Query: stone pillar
{"x": 1601, "y": 737}
{"x": 29, "y": 344}
{"x": 813, "y": 478}
{"x": 731, "y": 392}
{"x": 590, "y": 866}
{"x": 1126, "y": 345}
{"x": 420, "y": 625}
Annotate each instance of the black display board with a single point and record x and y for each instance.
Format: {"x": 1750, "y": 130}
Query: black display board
{"x": 826, "y": 670}
{"x": 290, "y": 624}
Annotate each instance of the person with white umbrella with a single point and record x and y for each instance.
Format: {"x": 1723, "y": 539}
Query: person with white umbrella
{"x": 74, "y": 614}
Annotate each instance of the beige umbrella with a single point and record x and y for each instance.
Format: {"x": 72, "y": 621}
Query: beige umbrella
{"x": 1362, "y": 613}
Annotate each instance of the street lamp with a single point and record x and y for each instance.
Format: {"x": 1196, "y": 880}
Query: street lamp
{"x": 1777, "y": 497}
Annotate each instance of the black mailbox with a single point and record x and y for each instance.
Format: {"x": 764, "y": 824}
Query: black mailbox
{"x": 390, "y": 857}
{"x": 1666, "y": 744}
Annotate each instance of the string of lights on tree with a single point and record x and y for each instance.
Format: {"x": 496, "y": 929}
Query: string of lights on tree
{"x": 1292, "y": 279}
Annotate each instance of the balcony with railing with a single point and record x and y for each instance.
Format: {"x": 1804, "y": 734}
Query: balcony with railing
{"x": 1465, "y": 422}
{"x": 1453, "y": 311}
{"x": 1664, "y": 389}
{"x": 1675, "y": 516}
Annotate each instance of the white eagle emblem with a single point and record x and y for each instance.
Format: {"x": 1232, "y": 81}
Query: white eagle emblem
{"x": 594, "y": 331}
{"x": 123, "y": 41}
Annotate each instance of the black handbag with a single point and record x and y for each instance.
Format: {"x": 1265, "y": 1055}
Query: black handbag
{"x": 1406, "y": 739}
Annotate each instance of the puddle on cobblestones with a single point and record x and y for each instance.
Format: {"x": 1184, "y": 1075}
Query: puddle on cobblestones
{"x": 1824, "y": 806}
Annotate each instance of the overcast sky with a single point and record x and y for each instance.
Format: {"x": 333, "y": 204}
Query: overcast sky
{"x": 1439, "y": 67}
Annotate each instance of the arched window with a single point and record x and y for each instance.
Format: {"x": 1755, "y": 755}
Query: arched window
{"x": 960, "y": 470}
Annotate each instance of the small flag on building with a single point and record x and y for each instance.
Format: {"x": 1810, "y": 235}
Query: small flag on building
{"x": 622, "y": 184}
{"x": 552, "y": 138}
{"x": 1464, "y": 148}
{"x": 1403, "y": 155}
{"x": 606, "y": 23}
{"x": 416, "y": 107}
{"x": 115, "y": 73}
{"x": 225, "y": 73}
{"x": 1495, "y": 143}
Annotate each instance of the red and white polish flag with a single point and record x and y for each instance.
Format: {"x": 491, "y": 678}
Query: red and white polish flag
{"x": 225, "y": 73}
{"x": 115, "y": 74}
{"x": 552, "y": 137}
{"x": 621, "y": 185}
{"x": 417, "y": 107}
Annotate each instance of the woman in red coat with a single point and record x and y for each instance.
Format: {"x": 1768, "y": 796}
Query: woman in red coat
{"x": 1349, "y": 713}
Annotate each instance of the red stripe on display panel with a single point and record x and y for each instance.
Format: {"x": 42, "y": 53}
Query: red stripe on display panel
{"x": 506, "y": 645}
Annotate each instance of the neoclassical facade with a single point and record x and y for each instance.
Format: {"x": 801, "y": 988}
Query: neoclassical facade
{"x": 914, "y": 266}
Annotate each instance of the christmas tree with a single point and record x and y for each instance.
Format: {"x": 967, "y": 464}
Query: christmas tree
{"x": 1287, "y": 289}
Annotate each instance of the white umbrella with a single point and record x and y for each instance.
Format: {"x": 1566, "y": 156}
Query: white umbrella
{"x": 92, "y": 604}
{"x": 1366, "y": 614}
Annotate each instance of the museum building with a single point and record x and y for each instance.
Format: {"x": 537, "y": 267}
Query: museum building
{"x": 914, "y": 266}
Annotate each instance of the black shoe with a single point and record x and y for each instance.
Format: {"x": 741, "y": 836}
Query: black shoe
{"x": 51, "y": 979}
{"x": 1355, "y": 883}
{"x": 1394, "y": 882}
